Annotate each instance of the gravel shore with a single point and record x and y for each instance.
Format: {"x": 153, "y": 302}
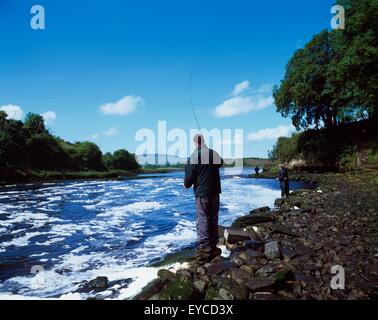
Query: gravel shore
{"x": 299, "y": 250}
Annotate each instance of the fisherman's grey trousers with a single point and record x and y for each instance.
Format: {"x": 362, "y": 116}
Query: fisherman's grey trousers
{"x": 207, "y": 208}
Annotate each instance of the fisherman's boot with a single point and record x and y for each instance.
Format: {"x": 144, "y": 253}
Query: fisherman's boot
{"x": 203, "y": 254}
{"x": 215, "y": 252}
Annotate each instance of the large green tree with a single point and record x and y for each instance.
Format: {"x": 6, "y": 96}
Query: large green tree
{"x": 333, "y": 79}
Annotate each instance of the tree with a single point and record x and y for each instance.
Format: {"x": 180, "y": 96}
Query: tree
{"x": 124, "y": 160}
{"x": 90, "y": 155}
{"x": 35, "y": 123}
{"x": 108, "y": 160}
{"x": 357, "y": 47}
{"x": 334, "y": 78}
{"x": 305, "y": 94}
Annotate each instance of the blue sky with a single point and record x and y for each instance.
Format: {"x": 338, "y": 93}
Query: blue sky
{"x": 141, "y": 54}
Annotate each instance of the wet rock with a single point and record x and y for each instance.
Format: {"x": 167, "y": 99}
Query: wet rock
{"x": 201, "y": 271}
{"x": 239, "y": 276}
{"x": 272, "y": 250}
{"x": 253, "y": 219}
{"x": 179, "y": 289}
{"x": 200, "y": 285}
{"x": 265, "y": 271}
{"x": 239, "y": 292}
{"x": 97, "y": 284}
{"x": 288, "y": 253}
{"x": 248, "y": 270}
{"x": 223, "y": 294}
{"x": 262, "y": 296}
{"x": 153, "y": 289}
{"x": 233, "y": 235}
{"x": 185, "y": 273}
{"x": 253, "y": 244}
{"x": 282, "y": 229}
{"x": 162, "y": 273}
{"x": 261, "y": 210}
{"x": 220, "y": 267}
{"x": 260, "y": 284}
{"x": 279, "y": 202}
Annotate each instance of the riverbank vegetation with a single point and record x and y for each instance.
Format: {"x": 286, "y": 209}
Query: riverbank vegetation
{"x": 29, "y": 152}
{"x": 330, "y": 93}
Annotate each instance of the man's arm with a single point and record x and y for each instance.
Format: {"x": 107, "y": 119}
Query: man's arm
{"x": 190, "y": 175}
{"x": 217, "y": 160}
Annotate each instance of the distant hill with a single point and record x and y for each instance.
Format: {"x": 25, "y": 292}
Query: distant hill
{"x": 159, "y": 160}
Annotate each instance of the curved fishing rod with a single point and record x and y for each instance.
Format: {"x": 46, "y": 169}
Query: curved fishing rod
{"x": 191, "y": 101}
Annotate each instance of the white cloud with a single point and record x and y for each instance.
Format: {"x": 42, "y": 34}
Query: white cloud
{"x": 13, "y": 111}
{"x": 240, "y": 105}
{"x": 271, "y": 133}
{"x": 110, "y": 132}
{"x": 49, "y": 116}
{"x": 124, "y": 106}
{"x": 240, "y": 87}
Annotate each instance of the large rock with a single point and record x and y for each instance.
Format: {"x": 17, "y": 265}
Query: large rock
{"x": 233, "y": 235}
{"x": 279, "y": 202}
{"x": 179, "y": 289}
{"x": 220, "y": 267}
{"x": 272, "y": 250}
{"x": 253, "y": 244}
{"x": 260, "y": 284}
{"x": 100, "y": 283}
{"x": 282, "y": 229}
{"x": 253, "y": 219}
{"x": 239, "y": 292}
{"x": 260, "y": 210}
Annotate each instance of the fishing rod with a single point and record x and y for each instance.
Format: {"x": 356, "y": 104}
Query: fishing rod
{"x": 191, "y": 101}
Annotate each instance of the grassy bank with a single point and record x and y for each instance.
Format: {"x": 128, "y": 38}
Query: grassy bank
{"x": 160, "y": 170}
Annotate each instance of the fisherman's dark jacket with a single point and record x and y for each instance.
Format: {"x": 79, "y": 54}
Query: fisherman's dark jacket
{"x": 202, "y": 172}
{"x": 283, "y": 174}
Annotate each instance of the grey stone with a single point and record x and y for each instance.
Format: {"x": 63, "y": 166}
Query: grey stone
{"x": 233, "y": 235}
{"x": 200, "y": 285}
{"x": 260, "y": 284}
{"x": 272, "y": 250}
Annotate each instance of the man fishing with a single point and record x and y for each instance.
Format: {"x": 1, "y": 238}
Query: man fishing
{"x": 202, "y": 172}
{"x": 283, "y": 178}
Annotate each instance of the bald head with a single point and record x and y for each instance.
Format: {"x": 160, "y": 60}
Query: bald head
{"x": 199, "y": 140}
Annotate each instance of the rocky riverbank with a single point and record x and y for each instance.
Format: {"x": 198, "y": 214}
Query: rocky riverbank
{"x": 289, "y": 252}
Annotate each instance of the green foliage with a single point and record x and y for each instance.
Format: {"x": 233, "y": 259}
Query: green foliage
{"x": 372, "y": 154}
{"x": 348, "y": 159}
{"x": 334, "y": 78}
{"x": 285, "y": 149}
{"x": 35, "y": 124}
{"x": 90, "y": 155}
{"x": 122, "y": 159}
{"x": 29, "y": 150}
{"x": 330, "y": 148}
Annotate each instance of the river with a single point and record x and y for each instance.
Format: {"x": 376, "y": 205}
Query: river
{"x": 55, "y": 236}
